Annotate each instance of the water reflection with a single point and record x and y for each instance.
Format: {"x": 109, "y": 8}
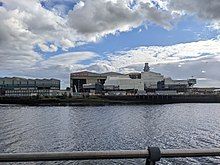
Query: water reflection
{"x": 31, "y": 129}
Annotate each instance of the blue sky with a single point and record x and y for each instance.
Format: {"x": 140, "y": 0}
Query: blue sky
{"x": 188, "y": 30}
{"x": 52, "y": 38}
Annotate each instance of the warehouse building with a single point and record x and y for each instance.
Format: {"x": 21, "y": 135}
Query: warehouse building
{"x": 16, "y": 86}
{"x": 78, "y": 79}
{"x": 147, "y": 81}
{"x": 150, "y": 79}
{"x": 123, "y": 82}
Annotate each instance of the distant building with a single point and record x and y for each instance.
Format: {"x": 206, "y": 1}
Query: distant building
{"x": 78, "y": 79}
{"x": 145, "y": 81}
{"x": 95, "y": 88}
{"x": 16, "y": 86}
{"x": 64, "y": 93}
{"x": 123, "y": 82}
{"x": 150, "y": 79}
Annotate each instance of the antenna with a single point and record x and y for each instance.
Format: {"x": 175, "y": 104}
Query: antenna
{"x": 146, "y": 67}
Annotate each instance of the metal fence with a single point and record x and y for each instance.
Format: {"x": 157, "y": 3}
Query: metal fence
{"x": 152, "y": 155}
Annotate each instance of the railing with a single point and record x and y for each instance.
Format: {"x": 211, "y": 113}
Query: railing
{"x": 152, "y": 155}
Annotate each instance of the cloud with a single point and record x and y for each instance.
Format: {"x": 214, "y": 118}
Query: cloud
{"x": 101, "y": 17}
{"x": 32, "y": 24}
{"x": 69, "y": 59}
{"x": 198, "y": 59}
{"x": 59, "y": 66}
{"x": 194, "y": 58}
{"x": 20, "y": 29}
{"x": 207, "y": 10}
{"x": 194, "y": 69}
{"x": 101, "y": 66}
{"x": 47, "y": 48}
{"x": 16, "y": 43}
{"x": 26, "y": 24}
{"x": 164, "y": 54}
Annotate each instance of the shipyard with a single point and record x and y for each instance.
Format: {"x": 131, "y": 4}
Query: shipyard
{"x": 109, "y": 82}
{"x": 89, "y": 88}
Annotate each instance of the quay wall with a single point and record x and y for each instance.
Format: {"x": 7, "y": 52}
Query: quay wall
{"x": 112, "y": 100}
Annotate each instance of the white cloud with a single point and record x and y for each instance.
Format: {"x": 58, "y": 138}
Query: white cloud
{"x": 66, "y": 43}
{"x": 209, "y": 78}
{"x": 197, "y": 59}
{"x": 101, "y": 66}
{"x": 26, "y": 24}
{"x": 59, "y": 66}
{"x": 215, "y": 25}
{"x": 194, "y": 58}
{"x": 69, "y": 59}
{"x": 100, "y": 17}
{"x": 164, "y": 54}
{"x": 46, "y": 48}
{"x": 16, "y": 43}
{"x": 205, "y": 9}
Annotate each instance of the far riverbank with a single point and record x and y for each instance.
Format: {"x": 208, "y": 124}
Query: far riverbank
{"x": 110, "y": 100}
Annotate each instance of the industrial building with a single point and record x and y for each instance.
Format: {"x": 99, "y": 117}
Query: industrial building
{"x": 16, "y": 87}
{"x": 123, "y": 82}
{"x": 146, "y": 81}
{"x": 78, "y": 79}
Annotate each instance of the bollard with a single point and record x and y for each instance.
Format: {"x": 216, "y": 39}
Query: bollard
{"x": 154, "y": 155}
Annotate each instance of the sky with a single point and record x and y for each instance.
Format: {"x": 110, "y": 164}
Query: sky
{"x": 52, "y": 38}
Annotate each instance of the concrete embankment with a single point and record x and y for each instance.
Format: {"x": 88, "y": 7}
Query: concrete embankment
{"x": 111, "y": 100}
{"x": 166, "y": 99}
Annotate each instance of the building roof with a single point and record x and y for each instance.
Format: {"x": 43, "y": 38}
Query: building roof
{"x": 110, "y": 74}
{"x": 21, "y": 78}
{"x": 91, "y": 74}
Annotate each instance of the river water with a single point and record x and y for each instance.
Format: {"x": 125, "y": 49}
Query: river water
{"x": 171, "y": 126}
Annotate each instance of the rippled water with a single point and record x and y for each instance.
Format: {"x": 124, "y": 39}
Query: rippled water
{"x": 31, "y": 129}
